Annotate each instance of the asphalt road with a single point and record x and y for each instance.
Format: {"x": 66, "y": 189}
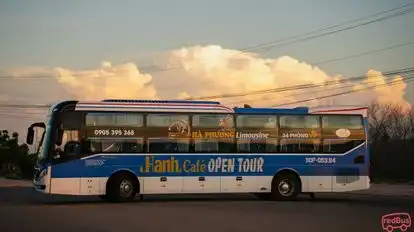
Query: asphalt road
{"x": 21, "y": 209}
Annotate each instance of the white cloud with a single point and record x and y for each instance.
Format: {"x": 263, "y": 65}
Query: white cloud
{"x": 25, "y": 72}
{"x": 204, "y": 70}
{"x": 223, "y": 71}
{"x": 108, "y": 81}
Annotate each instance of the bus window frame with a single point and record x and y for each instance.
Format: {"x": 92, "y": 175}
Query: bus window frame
{"x": 276, "y": 139}
{"x": 55, "y": 117}
{"x": 147, "y": 128}
{"x": 114, "y": 112}
{"x": 233, "y": 148}
{"x": 319, "y": 129}
{"x": 335, "y": 115}
{"x": 363, "y": 129}
{"x": 141, "y": 129}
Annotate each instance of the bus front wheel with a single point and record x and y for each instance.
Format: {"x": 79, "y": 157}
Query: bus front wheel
{"x": 122, "y": 188}
{"x": 285, "y": 186}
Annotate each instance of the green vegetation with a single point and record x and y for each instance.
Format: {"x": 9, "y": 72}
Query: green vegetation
{"x": 15, "y": 159}
{"x": 391, "y": 135}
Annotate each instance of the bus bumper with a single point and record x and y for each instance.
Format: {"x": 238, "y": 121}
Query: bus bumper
{"x": 41, "y": 180}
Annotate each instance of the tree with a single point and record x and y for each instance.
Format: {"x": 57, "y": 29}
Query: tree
{"x": 391, "y": 134}
{"x": 14, "y": 157}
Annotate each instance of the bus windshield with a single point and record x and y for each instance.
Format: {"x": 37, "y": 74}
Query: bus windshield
{"x": 44, "y": 143}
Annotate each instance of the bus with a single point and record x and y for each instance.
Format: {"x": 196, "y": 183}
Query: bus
{"x": 121, "y": 149}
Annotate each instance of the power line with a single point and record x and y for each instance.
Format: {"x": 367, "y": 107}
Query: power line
{"x": 406, "y": 80}
{"x": 298, "y": 87}
{"x": 344, "y": 87}
{"x": 272, "y": 90}
{"x": 314, "y": 64}
{"x": 24, "y": 106}
{"x": 17, "y": 117}
{"x": 406, "y": 71}
{"x": 362, "y": 54}
{"x": 333, "y": 82}
{"x": 410, "y": 10}
{"x": 287, "y": 40}
{"x": 350, "y": 85}
{"x": 254, "y": 47}
{"x": 27, "y": 116}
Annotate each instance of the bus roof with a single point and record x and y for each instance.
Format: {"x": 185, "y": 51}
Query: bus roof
{"x": 162, "y": 101}
{"x": 153, "y": 106}
{"x": 298, "y": 110}
{"x": 209, "y": 107}
{"x": 338, "y": 109}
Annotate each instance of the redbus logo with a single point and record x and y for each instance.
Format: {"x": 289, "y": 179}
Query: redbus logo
{"x": 393, "y": 221}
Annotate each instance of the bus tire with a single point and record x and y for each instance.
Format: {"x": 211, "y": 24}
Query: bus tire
{"x": 285, "y": 186}
{"x": 122, "y": 187}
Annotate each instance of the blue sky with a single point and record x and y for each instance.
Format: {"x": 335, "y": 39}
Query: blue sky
{"x": 80, "y": 34}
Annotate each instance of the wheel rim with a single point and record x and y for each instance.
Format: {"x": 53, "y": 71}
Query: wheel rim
{"x": 125, "y": 189}
{"x": 286, "y": 187}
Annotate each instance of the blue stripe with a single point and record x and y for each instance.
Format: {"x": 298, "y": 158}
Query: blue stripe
{"x": 104, "y": 166}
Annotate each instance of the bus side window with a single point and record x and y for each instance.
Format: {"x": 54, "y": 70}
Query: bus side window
{"x": 168, "y": 145}
{"x": 214, "y": 124}
{"x": 335, "y": 140}
{"x": 213, "y": 145}
{"x": 339, "y": 145}
{"x": 114, "y": 143}
{"x": 299, "y": 133}
{"x": 257, "y": 133}
{"x": 257, "y": 146}
{"x": 70, "y": 137}
{"x": 128, "y": 145}
{"x": 299, "y": 145}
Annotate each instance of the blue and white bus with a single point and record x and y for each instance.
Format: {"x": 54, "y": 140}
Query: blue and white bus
{"x": 120, "y": 149}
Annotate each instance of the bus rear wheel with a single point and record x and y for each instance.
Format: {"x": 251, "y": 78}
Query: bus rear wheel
{"x": 285, "y": 186}
{"x": 122, "y": 188}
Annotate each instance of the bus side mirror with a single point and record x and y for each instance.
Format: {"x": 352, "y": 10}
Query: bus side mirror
{"x": 30, "y": 136}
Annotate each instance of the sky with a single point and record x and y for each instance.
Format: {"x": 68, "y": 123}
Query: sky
{"x": 63, "y": 45}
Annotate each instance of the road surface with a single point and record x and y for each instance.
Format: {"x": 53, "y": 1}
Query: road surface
{"x": 21, "y": 209}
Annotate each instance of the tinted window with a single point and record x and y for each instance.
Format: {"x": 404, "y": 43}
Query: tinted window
{"x": 256, "y": 121}
{"x": 167, "y": 145}
{"x": 70, "y": 120}
{"x": 299, "y": 145}
{"x": 213, "y": 145}
{"x": 70, "y": 124}
{"x": 114, "y": 119}
{"x": 342, "y": 121}
{"x": 296, "y": 121}
{"x": 102, "y": 145}
{"x": 340, "y": 145}
{"x": 164, "y": 120}
{"x": 213, "y": 121}
{"x": 257, "y": 146}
